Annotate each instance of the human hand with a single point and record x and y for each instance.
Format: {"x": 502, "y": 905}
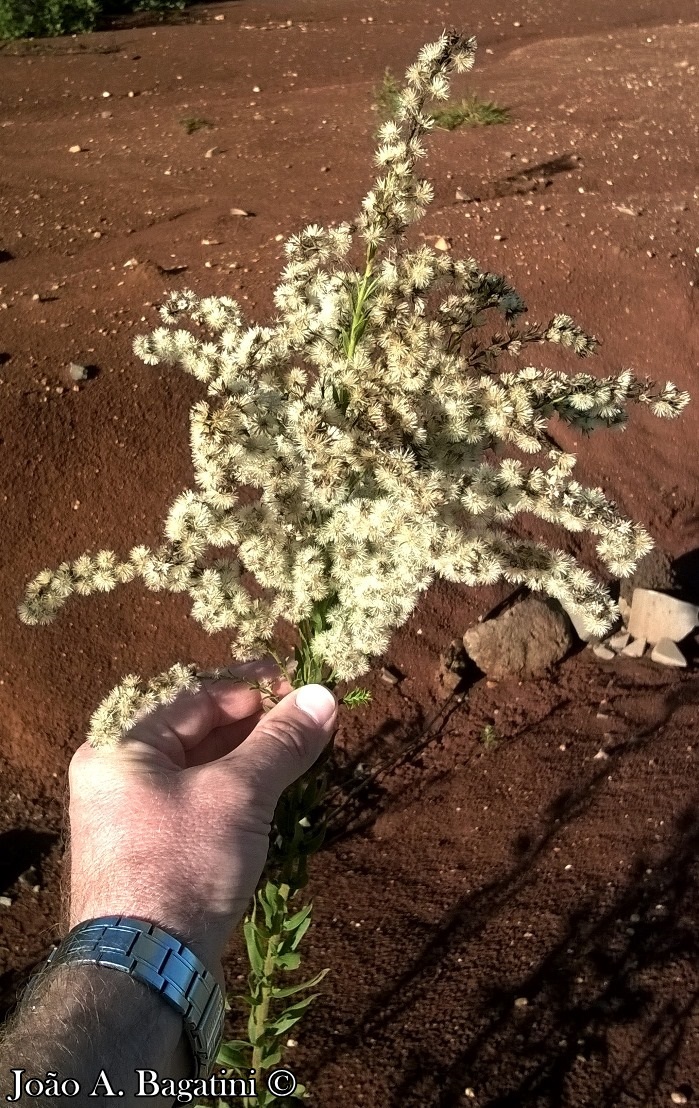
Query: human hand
{"x": 172, "y": 825}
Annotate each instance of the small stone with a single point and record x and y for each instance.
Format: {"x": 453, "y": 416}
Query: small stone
{"x": 325, "y": 169}
{"x": 131, "y": 93}
{"x": 75, "y": 149}
{"x": 499, "y": 238}
{"x": 601, "y": 756}
{"x": 667, "y": 653}
{"x": 219, "y": 18}
{"x": 105, "y": 115}
{"x": 459, "y": 195}
{"x": 619, "y": 641}
{"x": 278, "y": 238}
{"x": 5, "y": 902}
{"x": 625, "y": 609}
{"x": 521, "y": 1002}
{"x": 603, "y": 652}
{"x": 211, "y": 242}
{"x": 677, "y": 1097}
{"x": 106, "y": 95}
{"x": 211, "y": 151}
{"x": 78, "y": 372}
{"x": 389, "y": 677}
{"x": 256, "y": 88}
{"x": 470, "y": 1093}
{"x": 441, "y": 244}
{"x": 655, "y": 616}
{"x": 292, "y": 1043}
{"x": 239, "y": 211}
{"x": 524, "y": 641}
{"x": 635, "y": 649}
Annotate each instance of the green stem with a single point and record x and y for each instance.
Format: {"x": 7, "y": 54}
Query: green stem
{"x": 358, "y": 318}
{"x": 262, "y": 1009}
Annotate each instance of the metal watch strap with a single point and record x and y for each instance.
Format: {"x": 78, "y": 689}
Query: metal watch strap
{"x": 149, "y": 954}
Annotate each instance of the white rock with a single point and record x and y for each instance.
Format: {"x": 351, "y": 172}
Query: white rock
{"x": 656, "y": 616}
{"x": 677, "y": 1097}
{"x": 604, "y": 653}
{"x": 441, "y": 244}
{"x": 635, "y": 649}
{"x": 601, "y": 756}
{"x": 75, "y": 149}
{"x": 619, "y": 641}
{"x": 625, "y": 609}
{"x": 5, "y": 901}
{"x": 668, "y": 654}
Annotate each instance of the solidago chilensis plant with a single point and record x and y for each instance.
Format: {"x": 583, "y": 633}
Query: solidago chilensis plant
{"x": 387, "y": 443}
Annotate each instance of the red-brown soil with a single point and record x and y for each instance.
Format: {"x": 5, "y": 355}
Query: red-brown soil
{"x": 473, "y": 877}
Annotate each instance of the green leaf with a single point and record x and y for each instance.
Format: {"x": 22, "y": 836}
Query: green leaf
{"x": 293, "y": 922}
{"x": 291, "y": 990}
{"x": 292, "y": 1015}
{"x": 271, "y": 1056}
{"x": 288, "y": 961}
{"x": 271, "y": 901}
{"x": 235, "y": 1055}
{"x": 256, "y": 954}
{"x": 356, "y": 697}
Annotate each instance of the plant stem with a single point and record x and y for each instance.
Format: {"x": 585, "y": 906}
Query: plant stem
{"x": 358, "y": 318}
{"x": 262, "y": 1009}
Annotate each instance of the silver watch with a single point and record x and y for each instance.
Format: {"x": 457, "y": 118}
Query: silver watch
{"x": 149, "y": 954}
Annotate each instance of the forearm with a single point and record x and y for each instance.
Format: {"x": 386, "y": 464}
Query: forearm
{"x": 95, "y": 1028}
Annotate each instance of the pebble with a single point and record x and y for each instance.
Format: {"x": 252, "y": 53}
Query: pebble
{"x": 604, "y": 653}
{"x": 211, "y": 151}
{"x": 601, "y": 756}
{"x": 441, "y": 244}
{"x": 499, "y": 238}
{"x": 635, "y": 649}
{"x": 78, "y": 372}
{"x": 239, "y": 211}
{"x": 677, "y": 1097}
{"x": 5, "y": 902}
{"x": 75, "y": 149}
{"x": 521, "y": 1002}
{"x": 667, "y": 653}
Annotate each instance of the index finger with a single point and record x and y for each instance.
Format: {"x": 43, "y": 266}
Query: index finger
{"x": 221, "y": 703}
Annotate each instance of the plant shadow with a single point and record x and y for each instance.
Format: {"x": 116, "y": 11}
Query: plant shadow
{"x": 594, "y": 985}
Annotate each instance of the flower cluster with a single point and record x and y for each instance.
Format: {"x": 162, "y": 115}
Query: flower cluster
{"x": 376, "y": 430}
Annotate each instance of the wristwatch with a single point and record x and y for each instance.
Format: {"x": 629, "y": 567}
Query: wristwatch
{"x": 149, "y": 954}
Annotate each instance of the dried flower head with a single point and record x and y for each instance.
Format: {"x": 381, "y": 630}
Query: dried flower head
{"x": 375, "y": 434}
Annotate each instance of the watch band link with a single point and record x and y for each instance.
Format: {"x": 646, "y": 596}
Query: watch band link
{"x": 152, "y": 956}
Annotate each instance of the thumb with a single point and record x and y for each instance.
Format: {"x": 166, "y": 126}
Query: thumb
{"x": 287, "y": 740}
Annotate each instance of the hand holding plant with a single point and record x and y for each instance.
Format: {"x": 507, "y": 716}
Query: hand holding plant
{"x": 390, "y": 448}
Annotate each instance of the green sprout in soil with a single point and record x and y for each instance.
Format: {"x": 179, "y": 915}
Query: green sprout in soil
{"x": 472, "y": 112}
{"x": 191, "y": 124}
{"x": 489, "y": 737}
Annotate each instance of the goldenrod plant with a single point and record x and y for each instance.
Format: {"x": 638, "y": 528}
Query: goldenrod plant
{"x": 390, "y": 448}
